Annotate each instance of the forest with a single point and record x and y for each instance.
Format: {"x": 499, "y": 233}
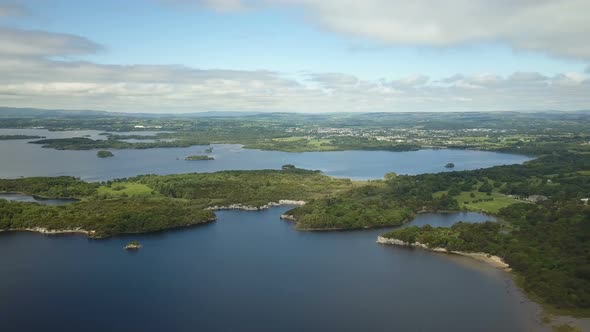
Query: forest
{"x": 104, "y": 217}
{"x": 152, "y": 202}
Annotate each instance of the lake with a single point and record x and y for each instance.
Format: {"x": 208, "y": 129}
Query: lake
{"x": 23, "y": 159}
{"x": 250, "y": 271}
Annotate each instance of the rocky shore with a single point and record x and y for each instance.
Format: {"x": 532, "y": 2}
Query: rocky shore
{"x": 495, "y": 261}
{"x": 50, "y": 231}
{"x": 134, "y": 245}
{"x": 288, "y": 217}
{"x": 257, "y": 208}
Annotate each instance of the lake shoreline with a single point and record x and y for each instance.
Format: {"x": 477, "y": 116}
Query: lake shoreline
{"x": 498, "y": 263}
{"x": 239, "y": 206}
{"x": 495, "y": 261}
{"x": 91, "y": 234}
{"x": 47, "y": 231}
{"x": 292, "y": 218}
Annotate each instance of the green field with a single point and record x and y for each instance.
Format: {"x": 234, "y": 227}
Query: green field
{"x": 491, "y": 206}
{"x": 125, "y": 189}
{"x": 499, "y": 201}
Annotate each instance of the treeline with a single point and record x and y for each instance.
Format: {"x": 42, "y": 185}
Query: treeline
{"x": 83, "y": 143}
{"x": 380, "y": 203}
{"x": 164, "y": 202}
{"x": 253, "y": 188}
{"x": 14, "y": 137}
{"x": 393, "y": 200}
{"x": 105, "y": 217}
{"x": 330, "y": 143}
{"x": 50, "y": 187}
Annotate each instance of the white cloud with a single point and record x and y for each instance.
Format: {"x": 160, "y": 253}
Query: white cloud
{"x": 40, "y": 43}
{"x": 410, "y": 81}
{"x": 82, "y": 85}
{"x": 558, "y": 27}
{"x": 39, "y": 69}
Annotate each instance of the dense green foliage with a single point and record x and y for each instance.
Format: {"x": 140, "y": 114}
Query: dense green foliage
{"x": 104, "y": 154}
{"x": 199, "y": 157}
{"x": 13, "y": 137}
{"x": 547, "y": 244}
{"x": 395, "y": 199}
{"x": 105, "y": 217}
{"x": 150, "y": 203}
{"x": 485, "y": 237}
{"x": 50, "y": 187}
{"x": 83, "y": 143}
{"x": 379, "y": 203}
{"x": 253, "y": 188}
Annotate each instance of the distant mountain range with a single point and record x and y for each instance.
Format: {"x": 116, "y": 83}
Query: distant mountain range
{"x": 13, "y": 112}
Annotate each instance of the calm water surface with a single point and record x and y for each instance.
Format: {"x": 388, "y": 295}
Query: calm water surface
{"x": 22, "y": 159}
{"x": 250, "y": 271}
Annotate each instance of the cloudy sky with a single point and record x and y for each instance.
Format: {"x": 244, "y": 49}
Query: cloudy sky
{"x": 295, "y": 55}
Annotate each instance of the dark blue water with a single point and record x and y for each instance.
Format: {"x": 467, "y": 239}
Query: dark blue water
{"x": 23, "y": 159}
{"x": 249, "y": 271}
{"x": 28, "y": 198}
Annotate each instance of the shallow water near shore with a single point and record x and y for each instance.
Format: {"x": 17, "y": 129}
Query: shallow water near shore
{"x": 251, "y": 271}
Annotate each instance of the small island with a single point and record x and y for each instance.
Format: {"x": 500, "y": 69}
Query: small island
{"x": 450, "y": 165}
{"x": 133, "y": 245}
{"x": 200, "y": 157}
{"x": 15, "y": 137}
{"x": 104, "y": 154}
{"x": 208, "y": 150}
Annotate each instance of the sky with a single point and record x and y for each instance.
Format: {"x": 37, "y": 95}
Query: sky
{"x": 177, "y": 56}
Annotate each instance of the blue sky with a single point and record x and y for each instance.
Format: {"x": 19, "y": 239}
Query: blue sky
{"x": 285, "y": 45}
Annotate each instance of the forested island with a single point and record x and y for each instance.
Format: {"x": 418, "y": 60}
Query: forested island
{"x": 15, "y": 137}
{"x": 84, "y": 143}
{"x": 133, "y": 245}
{"x": 198, "y": 157}
{"x": 104, "y": 154}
